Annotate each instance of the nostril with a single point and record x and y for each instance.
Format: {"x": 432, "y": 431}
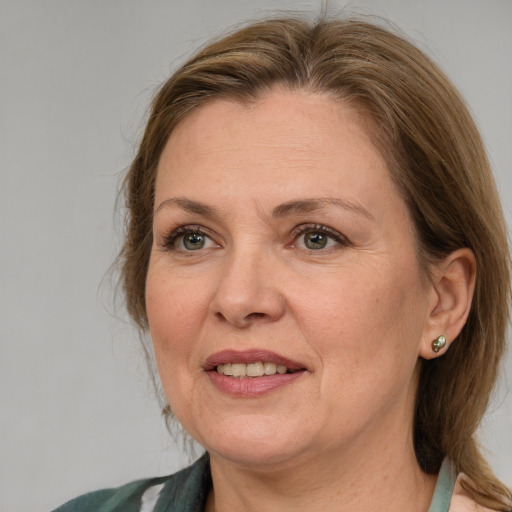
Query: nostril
{"x": 242, "y": 305}
{"x": 242, "y": 321}
{"x": 255, "y": 315}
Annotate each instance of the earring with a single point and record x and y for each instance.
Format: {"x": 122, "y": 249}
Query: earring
{"x": 438, "y": 343}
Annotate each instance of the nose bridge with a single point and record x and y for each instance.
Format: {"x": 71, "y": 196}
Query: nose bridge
{"x": 247, "y": 290}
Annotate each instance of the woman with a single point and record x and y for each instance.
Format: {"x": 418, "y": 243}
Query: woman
{"x": 316, "y": 246}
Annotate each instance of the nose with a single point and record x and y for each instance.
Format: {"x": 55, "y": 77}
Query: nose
{"x": 247, "y": 291}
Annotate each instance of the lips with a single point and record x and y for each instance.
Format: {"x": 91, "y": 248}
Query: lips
{"x": 249, "y": 357}
{"x": 237, "y": 373}
{"x": 258, "y": 369}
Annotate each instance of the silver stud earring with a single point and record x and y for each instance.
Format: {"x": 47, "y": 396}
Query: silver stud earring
{"x": 438, "y": 343}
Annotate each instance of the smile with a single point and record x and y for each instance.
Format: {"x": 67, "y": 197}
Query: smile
{"x": 251, "y": 363}
{"x": 251, "y": 373}
{"x": 252, "y": 370}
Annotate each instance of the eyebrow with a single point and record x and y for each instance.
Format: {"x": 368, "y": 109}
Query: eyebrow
{"x": 190, "y": 206}
{"x": 302, "y": 206}
{"x": 296, "y": 207}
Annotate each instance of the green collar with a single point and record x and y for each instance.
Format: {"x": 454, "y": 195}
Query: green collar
{"x": 444, "y": 488}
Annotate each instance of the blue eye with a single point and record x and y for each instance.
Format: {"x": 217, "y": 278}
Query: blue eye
{"x": 193, "y": 241}
{"x": 188, "y": 239}
{"x": 318, "y": 237}
{"x": 316, "y": 240}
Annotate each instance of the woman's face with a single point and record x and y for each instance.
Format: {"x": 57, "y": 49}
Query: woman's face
{"x": 281, "y": 241}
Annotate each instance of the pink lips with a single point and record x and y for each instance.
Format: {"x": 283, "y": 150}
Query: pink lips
{"x": 246, "y": 386}
{"x": 250, "y": 356}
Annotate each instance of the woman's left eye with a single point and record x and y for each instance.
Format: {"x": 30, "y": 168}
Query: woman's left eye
{"x": 318, "y": 238}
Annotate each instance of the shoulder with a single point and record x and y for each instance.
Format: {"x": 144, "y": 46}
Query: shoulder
{"x": 462, "y": 501}
{"x": 127, "y": 498}
{"x": 106, "y": 499}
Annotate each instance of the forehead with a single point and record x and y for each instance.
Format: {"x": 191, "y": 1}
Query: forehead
{"x": 277, "y": 110}
{"x": 281, "y": 129}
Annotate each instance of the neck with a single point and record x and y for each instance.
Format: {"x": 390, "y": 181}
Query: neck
{"x": 366, "y": 474}
{"x": 396, "y": 486}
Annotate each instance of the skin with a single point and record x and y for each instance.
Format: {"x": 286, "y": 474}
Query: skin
{"x": 357, "y": 314}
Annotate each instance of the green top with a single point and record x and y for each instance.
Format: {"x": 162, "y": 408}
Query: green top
{"x": 187, "y": 490}
{"x": 444, "y": 488}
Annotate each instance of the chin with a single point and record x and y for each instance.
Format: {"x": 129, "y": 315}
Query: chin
{"x": 254, "y": 441}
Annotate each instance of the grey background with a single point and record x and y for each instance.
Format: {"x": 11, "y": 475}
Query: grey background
{"x": 77, "y": 410}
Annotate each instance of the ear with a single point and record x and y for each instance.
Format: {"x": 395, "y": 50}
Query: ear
{"x": 453, "y": 284}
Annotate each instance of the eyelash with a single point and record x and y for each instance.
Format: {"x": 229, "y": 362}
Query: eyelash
{"x": 169, "y": 241}
{"x": 304, "y": 229}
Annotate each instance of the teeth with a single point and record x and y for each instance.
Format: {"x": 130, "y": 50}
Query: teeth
{"x": 251, "y": 370}
{"x": 255, "y": 370}
{"x": 239, "y": 369}
{"x": 270, "y": 368}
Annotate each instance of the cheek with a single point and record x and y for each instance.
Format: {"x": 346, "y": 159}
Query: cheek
{"x": 175, "y": 314}
{"x": 365, "y": 319}
{"x": 175, "y": 310}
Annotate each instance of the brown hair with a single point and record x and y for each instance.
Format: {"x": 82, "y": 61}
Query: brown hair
{"x": 434, "y": 153}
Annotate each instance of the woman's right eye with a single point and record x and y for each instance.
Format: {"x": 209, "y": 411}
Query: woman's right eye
{"x": 193, "y": 241}
{"x": 186, "y": 240}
